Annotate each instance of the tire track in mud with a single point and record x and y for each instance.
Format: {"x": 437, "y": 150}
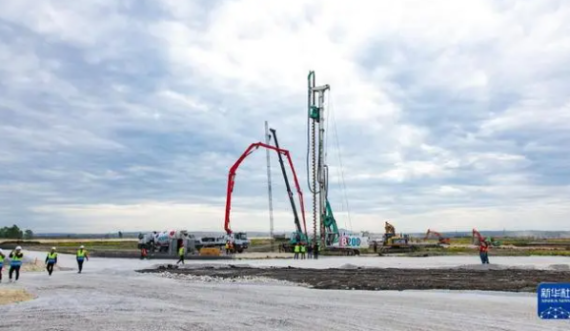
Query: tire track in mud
{"x": 374, "y": 279}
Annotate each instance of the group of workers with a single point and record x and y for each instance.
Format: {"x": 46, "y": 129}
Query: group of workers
{"x": 302, "y": 250}
{"x": 17, "y": 256}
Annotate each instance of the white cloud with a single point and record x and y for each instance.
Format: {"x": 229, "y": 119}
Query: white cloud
{"x": 448, "y": 114}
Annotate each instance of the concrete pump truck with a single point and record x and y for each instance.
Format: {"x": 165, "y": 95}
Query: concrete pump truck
{"x": 297, "y": 237}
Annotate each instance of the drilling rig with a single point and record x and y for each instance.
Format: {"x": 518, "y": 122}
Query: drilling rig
{"x": 325, "y": 229}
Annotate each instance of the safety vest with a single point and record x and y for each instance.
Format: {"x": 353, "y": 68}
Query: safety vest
{"x": 1, "y": 261}
{"x": 181, "y": 251}
{"x": 297, "y": 248}
{"x": 303, "y": 249}
{"x": 80, "y": 254}
{"x": 16, "y": 260}
{"x": 51, "y": 257}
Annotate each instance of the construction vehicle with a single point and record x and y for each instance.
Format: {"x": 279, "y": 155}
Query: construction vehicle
{"x": 330, "y": 238}
{"x": 342, "y": 240}
{"x": 167, "y": 243}
{"x": 441, "y": 239}
{"x": 239, "y": 240}
{"x": 394, "y": 243}
{"x": 478, "y": 238}
{"x": 234, "y": 238}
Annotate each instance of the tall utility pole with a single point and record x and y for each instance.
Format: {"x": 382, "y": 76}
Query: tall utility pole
{"x": 316, "y": 99}
{"x": 269, "y": 190}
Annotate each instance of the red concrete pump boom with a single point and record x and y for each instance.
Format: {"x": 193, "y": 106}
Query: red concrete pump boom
{"x": 232, "y": 175}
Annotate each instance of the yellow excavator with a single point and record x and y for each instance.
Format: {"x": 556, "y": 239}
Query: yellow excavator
{"x": 394, "y": 243}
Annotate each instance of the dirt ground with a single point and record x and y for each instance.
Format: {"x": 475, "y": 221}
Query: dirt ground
{"x": 510, "y": 280}
{"x": 8, "y": 296}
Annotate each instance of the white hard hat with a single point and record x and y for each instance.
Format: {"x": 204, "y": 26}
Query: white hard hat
{"x": 81, "y": 246}
{"x": 19, "y": 248}
{"x": 1, "y": 250}
{"x": 53, "y": 248}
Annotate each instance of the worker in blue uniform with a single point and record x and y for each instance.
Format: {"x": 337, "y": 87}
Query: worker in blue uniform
{"x": 16, "y": 258}
{"x": 51, "y": 260}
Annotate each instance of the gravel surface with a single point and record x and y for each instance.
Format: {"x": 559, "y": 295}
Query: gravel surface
{"x": 110, "y": 295}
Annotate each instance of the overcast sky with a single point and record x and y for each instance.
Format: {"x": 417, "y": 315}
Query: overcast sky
{"x": 126, "y": 115}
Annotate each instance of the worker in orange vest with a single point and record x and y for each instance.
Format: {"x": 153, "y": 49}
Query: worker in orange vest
{"x": 484, "y": 252}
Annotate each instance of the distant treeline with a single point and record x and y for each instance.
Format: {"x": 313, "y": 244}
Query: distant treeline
{"x": 14, "y": 232}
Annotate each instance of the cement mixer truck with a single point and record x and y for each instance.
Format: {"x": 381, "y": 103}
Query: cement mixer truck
{"x": 167, "y": 242}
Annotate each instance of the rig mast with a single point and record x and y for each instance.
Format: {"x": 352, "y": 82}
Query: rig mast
{"x": 318, "y": 174}
{"x": 269, "y": 189}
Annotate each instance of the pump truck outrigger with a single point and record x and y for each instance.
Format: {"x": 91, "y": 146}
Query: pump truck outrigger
{"x": 231, "y": 183}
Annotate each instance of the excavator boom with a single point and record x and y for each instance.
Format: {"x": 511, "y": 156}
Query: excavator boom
{"x": 477, "y": 235}
{"x": 440, "y": 237}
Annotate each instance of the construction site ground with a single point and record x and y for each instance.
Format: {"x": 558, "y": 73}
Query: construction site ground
{"x": 112, "y": 295}
{"x": 488, "y": 278}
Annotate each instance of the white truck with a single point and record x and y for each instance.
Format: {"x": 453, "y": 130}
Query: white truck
{"x": 239, "y": 240}
{"x": 170, "y": 241}
{"x": 167, "y": 241}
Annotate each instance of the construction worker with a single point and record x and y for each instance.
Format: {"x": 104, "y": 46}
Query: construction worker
{"x": 484, "y": 252}
{"x": 2, "y": 257}
{"x": 181, "y": 254}
{"x": 309, "y": 251}
{"x": 303, "y": 251}
{"x": 16, "y": 257}
{"x": 227, "y": 247}
{"x": 51, "y": 260}
{"x": 316, "y": 251}
{"x": 81, "y": 257}
{"x": 297, "y": 249}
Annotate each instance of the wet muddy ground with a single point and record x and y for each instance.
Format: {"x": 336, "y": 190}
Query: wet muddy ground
{"x": 510, "y": 280}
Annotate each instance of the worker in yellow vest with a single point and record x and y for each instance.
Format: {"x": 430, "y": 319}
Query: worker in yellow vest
{"x": 81, "y": 256}
{"x": 303, "y": 251}
{"x": 2, "y": 257}
{"x": 181, "y": 252}
{"x": 16, "y": 258}
{"x": 297, "y": 249}
{"x": 51, "y": 260}
{"x": 227, "y": 247}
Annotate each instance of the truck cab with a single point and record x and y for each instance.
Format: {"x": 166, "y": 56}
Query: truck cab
{"x": 240, "y": 241}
